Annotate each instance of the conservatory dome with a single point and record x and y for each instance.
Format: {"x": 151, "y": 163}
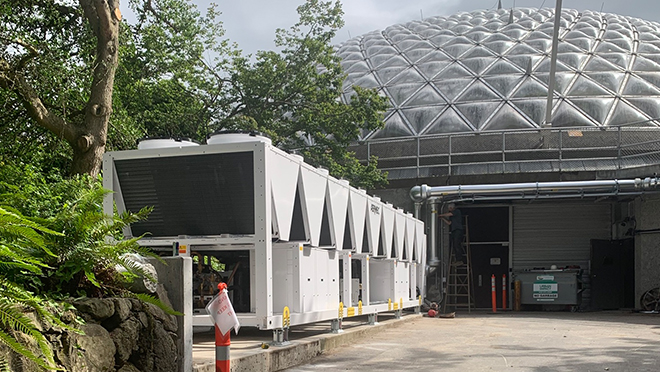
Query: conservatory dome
{"x": 489, "y": 70}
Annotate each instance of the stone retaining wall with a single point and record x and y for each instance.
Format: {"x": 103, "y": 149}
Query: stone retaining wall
{"x": 120, "y": 335}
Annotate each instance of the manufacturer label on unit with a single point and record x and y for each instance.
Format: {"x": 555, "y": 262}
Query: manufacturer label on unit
{"x": 547, "y": 278}
{"x": 375, "y": 209}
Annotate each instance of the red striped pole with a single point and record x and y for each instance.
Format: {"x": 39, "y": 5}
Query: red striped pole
{"x": 503, "y": 291}
{"x": 222, "y": 343}
{"x": 493, "y": 297}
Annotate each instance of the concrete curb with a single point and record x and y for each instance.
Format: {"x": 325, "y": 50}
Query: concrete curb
{"x": 302, "y": 351}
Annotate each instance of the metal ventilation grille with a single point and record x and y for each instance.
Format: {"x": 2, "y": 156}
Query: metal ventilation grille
{"x": 199, "y": 195}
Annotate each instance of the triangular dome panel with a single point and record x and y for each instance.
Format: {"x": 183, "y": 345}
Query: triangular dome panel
{"x": 568, "y": 116}
{"x": 639, "y": 87}
{"x": 625, "y": 114}
{"x": 421, "y": 117}
{"x": 573, "y": 60}
{"x": 478, "y": 65}
{"x": 435, "y": 55}
{"x": 651, "y": 77}
{"x": 448, "y": 122}
{"x": 394, "y": 127}
{"x": 596, "y": 108}
{"x": 645, "y": 64}
{"x": 585, "y": 87}
{"x": 500, "y": 47}
{"x": 451, "y": 88}
{"x": 607, "y": 47}
{"x": 408, "y": 76}
{"x": 402, "y": 92}
{"x": 386, "y": 74}
{"x": 507, "y": 118}
{"x": 531, "y": 88}
{"x": 368, "y": 81}
{"x": 533, "y": 108}
{"x": 522, "y": 49}
{"x": 425, "y": 97}
{"x": 416, "y": 54}
{"x": 478, "y": 91}
{"x": 599, "y": 64}
{"x": 649, "y": 106}
{"x": 502, "y": 67}
{"x": 477, "y": 112}
{"x": 609, "y": 80}
{"x": 430, "y": 69}
{"x": 453, "y": 71}
{"x": 504, "y": 84}
{"x": 563, "y": 80}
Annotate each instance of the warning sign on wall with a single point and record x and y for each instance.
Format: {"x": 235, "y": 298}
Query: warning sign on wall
{"x": 545, "y": 288}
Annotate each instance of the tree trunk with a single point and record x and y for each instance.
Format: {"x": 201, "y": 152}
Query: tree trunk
{"x": 89, "y": 145}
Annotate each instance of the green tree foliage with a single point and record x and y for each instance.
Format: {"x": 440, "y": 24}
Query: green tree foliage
{"x": 175, "y": 77}
{"x": 294, "y": 96}
{"x": 57, "y": 67}
{"x": 205, "y": 85}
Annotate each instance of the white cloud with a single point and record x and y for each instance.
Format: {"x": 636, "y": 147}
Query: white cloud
{"x": 252, "y": 23}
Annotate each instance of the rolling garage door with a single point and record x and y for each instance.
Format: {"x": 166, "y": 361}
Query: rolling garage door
{"x": 558, "y": 234}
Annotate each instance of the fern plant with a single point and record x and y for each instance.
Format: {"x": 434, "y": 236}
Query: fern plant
{"x": 20, "y": 239}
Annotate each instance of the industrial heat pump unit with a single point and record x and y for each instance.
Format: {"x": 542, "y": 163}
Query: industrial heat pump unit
{"x": 278, "y": 231}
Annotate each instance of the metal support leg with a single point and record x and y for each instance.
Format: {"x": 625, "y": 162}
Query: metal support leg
{"x": 397, "y": 314}
{"x": 279, "y": 338}
{"x": 336, "y": 326}
{"x": 373, "y": 319}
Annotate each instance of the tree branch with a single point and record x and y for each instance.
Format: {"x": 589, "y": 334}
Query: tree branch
{"x": 14, "y": 81}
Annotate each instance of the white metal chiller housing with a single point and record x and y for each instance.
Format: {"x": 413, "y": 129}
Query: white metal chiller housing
{"x": 309, "y": 238}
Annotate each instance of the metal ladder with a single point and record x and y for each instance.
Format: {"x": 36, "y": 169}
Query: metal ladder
{"x": 459, "y": 287}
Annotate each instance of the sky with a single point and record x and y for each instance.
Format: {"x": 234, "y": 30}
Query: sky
{"x": 252, "y": 23}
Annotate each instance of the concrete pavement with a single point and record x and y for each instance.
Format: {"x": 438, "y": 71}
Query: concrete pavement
{"x": 509, "y": 341}
{"x": 307, "y": 342}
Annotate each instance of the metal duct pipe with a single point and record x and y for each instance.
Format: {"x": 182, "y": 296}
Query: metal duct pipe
{"x": 433, "y": 231}
{"x": 546, "y": 197}
{"x": 423, "y": 192}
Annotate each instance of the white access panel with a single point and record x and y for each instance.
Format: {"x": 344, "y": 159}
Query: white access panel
{"x": 286, "y": 277}
{"x": 381, "y": 280}
{"x": 402, "y": 288}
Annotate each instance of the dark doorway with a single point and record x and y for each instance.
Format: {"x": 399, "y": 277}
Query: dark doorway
{"x": 612, "y": 274}
{"x": 488, "y": 232}
{"x": 488, "y": 260}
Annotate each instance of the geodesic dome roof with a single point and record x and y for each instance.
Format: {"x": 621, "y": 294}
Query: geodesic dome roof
{"x": 489, "y": 70}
